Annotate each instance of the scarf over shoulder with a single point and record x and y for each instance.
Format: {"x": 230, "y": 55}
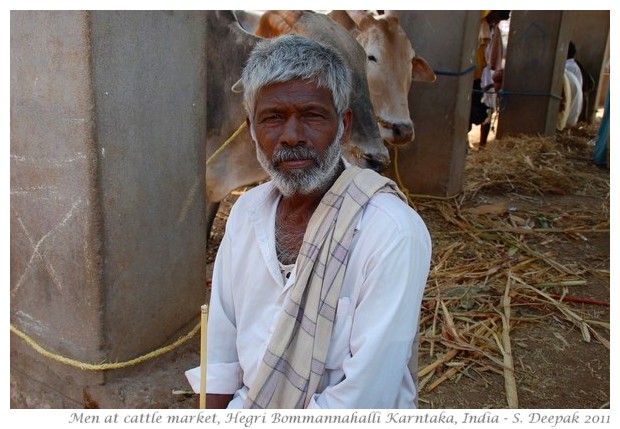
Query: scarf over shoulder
{"x": 294, "y": 361}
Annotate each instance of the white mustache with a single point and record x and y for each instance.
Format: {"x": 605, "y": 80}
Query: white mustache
{"x": 295, "y": 154}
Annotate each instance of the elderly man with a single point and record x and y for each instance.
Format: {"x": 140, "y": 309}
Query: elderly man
{"x": 318, "y": 281}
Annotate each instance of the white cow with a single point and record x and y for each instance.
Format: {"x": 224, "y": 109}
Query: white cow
{"x": 392, "y": 65}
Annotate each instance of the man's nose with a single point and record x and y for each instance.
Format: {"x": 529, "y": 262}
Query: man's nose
{"x": 292, "y": 132}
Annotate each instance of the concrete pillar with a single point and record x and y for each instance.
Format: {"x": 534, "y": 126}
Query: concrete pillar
{"x": 590, "y": 33}
{"x": 107, "y": 199}
{"x": 535, "y": 58}
{"x": 433, "y": 164}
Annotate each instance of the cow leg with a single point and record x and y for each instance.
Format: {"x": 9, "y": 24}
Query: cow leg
{"x": 485, "y": 127}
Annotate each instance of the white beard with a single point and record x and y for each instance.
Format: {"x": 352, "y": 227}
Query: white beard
{"x": 302, "y": 181}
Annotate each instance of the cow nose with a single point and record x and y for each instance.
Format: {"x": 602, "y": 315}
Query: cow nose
{"x": 403, "y": 133}
{"x": 378, "y": 163}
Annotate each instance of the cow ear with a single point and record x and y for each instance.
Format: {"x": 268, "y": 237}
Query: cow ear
{"x": 343, "y": 18}
{"x": 237, "y": 87}
{"x": 421, "y": 70}
{"x": 362, "y": 18}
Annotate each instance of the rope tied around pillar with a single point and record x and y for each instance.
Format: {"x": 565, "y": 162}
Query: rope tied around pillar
{"x": 405, "y": 190}
{"x": 503, "y": 92}
{"x": 102, "y": 366}
{"x": 455, "y": 73}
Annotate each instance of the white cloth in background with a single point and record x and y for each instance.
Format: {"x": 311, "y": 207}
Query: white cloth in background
{"x": 572, "y": 66}
{"x": 575, "y": 81}
{"x": 494, "y": 54}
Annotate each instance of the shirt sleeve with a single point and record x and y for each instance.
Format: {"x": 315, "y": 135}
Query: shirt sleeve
{"x": 385, "y": 322}
{"x": 224, "y": 374}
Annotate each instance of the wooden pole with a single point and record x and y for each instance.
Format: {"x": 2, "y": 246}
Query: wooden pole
{"x": 204, "y": 310}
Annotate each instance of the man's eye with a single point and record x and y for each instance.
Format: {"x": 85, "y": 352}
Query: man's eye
{"x": 272, "y": 117}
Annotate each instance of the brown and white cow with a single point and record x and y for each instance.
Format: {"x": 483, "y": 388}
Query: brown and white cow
{"x": 228, "y": 46}
{"x": 392, "y": 63}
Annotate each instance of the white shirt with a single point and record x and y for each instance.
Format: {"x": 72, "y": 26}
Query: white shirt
{"x": 376, "y": 318}
{"x": 572, "y": 66}
{"x": 575, "y": 80}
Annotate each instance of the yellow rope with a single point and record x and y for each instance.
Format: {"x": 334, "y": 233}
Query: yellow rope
{"x": 405, "y": 191}
{"x": 227, "y": 142}
{"x": 103, "y": 366}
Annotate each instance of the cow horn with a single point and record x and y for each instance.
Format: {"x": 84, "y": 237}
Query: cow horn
{"x": 391, "y": 14}
{"x": 276, "y": 22}
{"x": 237, "y": 87}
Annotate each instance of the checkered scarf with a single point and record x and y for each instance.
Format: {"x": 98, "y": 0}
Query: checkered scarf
{"x": 294, "y": 361}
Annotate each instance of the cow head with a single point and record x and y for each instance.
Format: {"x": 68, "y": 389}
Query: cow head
{"x": 392, "y": 66}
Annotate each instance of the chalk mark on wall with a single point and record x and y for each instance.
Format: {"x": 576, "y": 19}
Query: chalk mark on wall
{"x": 38, "y": 249}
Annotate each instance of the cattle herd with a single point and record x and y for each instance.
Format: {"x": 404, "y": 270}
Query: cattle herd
{"x": 383, "y": 64}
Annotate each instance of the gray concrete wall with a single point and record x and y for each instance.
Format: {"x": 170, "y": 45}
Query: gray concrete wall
{"x": 433, "y": 164}
{"x": 55, "y": 220}
{"x": 590, "y": 33}
{"x": 535, "y": 58}
{"x": 107, "y": 201}
{"x": 148, "y": 69}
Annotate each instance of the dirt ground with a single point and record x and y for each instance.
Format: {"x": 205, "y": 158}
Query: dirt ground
{"x": 555, "y": 364}
{"x": 549, "y": 347}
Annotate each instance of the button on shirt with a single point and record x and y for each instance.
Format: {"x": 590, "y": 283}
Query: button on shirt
{"x": 376, "y": 318}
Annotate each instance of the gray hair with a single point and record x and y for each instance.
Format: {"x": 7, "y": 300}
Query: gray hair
{"x": 292, "y": 57}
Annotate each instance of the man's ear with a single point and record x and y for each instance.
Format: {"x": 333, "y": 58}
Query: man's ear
{"x": 346, "y": 119}
{"x": 248, "y": 124}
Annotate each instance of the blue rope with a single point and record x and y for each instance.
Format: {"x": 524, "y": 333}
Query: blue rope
{"x": 501, "y": 92}
{"x": 453, "y": 73}
{"x": 482, "y": 91}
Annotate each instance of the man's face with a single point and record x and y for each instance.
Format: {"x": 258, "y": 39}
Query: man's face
{"x": 298, "y": 135}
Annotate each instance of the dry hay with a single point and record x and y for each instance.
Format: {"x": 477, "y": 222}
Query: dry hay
{"x": 533, "y": 165}
{"x": 487, "y": 274}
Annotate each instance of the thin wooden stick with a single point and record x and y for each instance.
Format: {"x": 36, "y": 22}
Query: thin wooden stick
{"x": 204, "y": 311}
{"x": 510, "y": 382}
